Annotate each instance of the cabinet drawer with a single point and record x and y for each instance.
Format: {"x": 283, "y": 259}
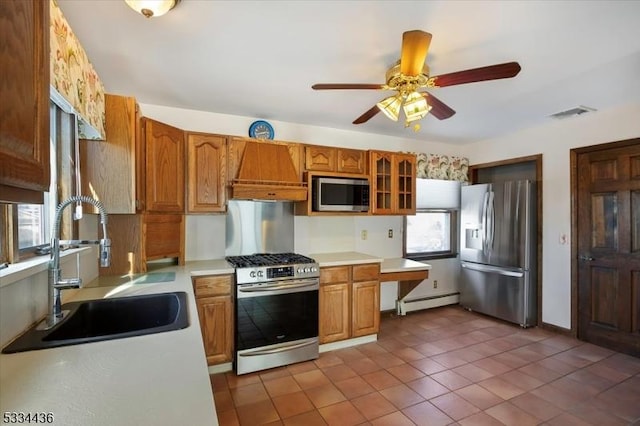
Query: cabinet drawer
{"x": 212, "y": 286}
{"x": 335, "y": 274}
{"x": 368, "y": 272}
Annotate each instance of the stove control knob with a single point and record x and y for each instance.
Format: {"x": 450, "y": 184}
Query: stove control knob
{"x": 307, "y": 269}
{"x": 314, "y": 269}
{"x": 260, "y": 274}
{"x": 252, "y": 274}
{"x": 299, "y": 270}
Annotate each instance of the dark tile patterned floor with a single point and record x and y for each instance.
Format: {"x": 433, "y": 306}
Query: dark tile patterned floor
{"x": 439, "y": 367}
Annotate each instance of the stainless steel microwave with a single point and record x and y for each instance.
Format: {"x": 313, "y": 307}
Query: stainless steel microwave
{"x": 335, "y": 194}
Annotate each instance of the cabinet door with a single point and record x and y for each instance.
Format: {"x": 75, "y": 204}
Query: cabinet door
{"x": 217, "y": 329}
{"x": 163, "y": 236}
{"x": 164, "y": 148}
{"x": 206, "y": 172}
{"x": 351, "y": 161}
{"x": 109, "y": 167}
{"x": 382, "y": 183}
{"x": 405, "y": 167}
{"x": 24, "y": 109}
{"x": 334, "y": 312}
{"x": 365, "y": 308}
{"x": 320, "y": 158}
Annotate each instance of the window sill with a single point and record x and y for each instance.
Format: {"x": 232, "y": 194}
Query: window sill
{"x": 26, "y": 268}
{"x": 431, "y": 257}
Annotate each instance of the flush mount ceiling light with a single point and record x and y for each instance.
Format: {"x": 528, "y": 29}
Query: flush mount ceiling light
{"x": 152, "y": 8}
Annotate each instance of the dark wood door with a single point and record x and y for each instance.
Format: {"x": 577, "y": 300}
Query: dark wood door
{"x": 608, "y": 202}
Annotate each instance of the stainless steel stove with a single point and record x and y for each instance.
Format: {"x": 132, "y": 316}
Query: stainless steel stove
{"x": 276, "y": 310}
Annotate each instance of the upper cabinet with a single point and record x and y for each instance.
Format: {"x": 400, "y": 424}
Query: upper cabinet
{"x": 112, "y": 170}
{"x": 140, "y": 167}
{"x": 164, "y": 160}
{"x": 24, "y": 109}
{"x": 335, "y": 160}
{"x": 393, "y": 181}
{"x": 206, "y": 173}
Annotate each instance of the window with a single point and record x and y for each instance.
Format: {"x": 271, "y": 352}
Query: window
{"x": 32, "y": 226}
{"x": 431, "y": 234}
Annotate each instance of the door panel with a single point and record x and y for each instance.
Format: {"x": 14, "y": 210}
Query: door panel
{"x": 474, "y": 199}
{"x": 502, "y": 293}
{"x": 608, "y": 235}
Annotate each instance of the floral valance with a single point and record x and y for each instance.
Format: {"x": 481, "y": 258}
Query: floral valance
{"x": 74, "y": 81}
{"x": 435, "y": 166}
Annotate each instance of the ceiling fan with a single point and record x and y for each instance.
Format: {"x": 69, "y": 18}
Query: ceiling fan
{"x": 410, "y": 75}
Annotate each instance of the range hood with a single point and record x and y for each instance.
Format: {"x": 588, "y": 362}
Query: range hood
{"x": 267, "y": 172}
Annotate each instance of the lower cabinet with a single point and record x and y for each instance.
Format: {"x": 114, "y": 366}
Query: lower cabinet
{"x": 349, "y": 301}
{"x": 215, "y": 310}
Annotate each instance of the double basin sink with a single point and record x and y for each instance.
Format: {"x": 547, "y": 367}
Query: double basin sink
{"x": 107, "y": 319}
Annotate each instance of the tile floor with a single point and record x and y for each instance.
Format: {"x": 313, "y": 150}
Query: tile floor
{"x": 439, "y": 367}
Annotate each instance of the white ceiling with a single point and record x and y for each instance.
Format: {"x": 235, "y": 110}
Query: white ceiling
{"x": 260, "y": 58}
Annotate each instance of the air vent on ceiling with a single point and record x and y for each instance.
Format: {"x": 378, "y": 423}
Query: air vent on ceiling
{"x": 579, "y": 110}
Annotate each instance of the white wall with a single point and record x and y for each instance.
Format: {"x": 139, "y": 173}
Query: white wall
{"x": 554, "y": 141}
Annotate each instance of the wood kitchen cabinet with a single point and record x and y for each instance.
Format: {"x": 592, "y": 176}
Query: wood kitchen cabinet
{"x": 24, "y": 109}
{"x": 365, "y": 306}
{"x": 349, "y": 301}
{"x": 138, "y": 175}
{"x": 393, "y": 182}
{"x": 164, "y": 160}
{"x": 215, "y": 311}
{"x": 206, "y": 173}
{"x": 113, "y": 170}
{"x": 334, "y": 306}
{"x": 335, "y": 160}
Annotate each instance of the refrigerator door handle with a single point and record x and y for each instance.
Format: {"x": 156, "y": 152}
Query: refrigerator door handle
{"x": 492, "y": 269}
{"x": 492, "y": 219}
{"x": 485, "y": 207}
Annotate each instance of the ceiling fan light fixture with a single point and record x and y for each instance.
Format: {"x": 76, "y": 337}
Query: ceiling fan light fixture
{"x": 415, "y": 107}
{"x": 391, "y": 106}
{"x": 152, "y": 8}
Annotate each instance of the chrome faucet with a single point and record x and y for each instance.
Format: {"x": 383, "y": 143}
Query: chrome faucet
{"x": 56, "y": 283}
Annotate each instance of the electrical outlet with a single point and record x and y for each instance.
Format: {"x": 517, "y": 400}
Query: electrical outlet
{"x": 363, "y": 234}
{"x": 390, "y": 233}
{"x": 435, "y": 283}
{"x": 563, "y": 239}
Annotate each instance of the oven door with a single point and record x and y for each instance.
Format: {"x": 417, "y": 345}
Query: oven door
{"x": 276, "y": 312}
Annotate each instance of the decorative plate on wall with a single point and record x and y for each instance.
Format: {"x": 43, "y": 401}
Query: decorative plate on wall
{"x": 261, "y": 130}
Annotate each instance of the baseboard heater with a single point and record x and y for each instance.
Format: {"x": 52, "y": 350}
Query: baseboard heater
{"x": 404, "y": 306}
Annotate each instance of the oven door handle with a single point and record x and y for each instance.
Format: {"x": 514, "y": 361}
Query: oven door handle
{"x": 293, "y": 285}
{"x": 284, "y": 348}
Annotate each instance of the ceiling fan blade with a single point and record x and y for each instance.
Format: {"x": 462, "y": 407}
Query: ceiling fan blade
{"x": 492, "y": 72}
{"x": 367, "y": 115}
{"x": 347, "y": 86}
{"x": 439, "y": 109}
{"x": 415, "y": 45}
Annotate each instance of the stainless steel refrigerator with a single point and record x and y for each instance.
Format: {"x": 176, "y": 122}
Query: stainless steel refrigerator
{"x": 498, "y": 250}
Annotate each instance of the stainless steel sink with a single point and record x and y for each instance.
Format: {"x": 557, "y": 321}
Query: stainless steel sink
{"x": 107, "y": 319}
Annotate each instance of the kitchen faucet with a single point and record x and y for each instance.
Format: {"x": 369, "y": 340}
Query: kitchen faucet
{"x": 56, "y": 283}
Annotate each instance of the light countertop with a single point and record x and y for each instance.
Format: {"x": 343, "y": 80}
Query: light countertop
{"x": 344, "y": 258}
{"x": 400, "y": 264}
{"x": 159, "y": 379}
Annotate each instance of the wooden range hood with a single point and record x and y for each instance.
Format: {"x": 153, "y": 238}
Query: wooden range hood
{"x": 267, "y": 172}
